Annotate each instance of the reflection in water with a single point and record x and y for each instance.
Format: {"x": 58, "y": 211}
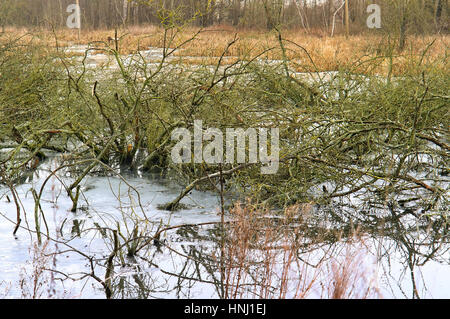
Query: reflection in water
{"x": 109, "y": 245}
{"x": 289, "y": 257}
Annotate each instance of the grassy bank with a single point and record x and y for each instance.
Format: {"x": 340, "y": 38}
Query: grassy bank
{"x": 306, "y": 52}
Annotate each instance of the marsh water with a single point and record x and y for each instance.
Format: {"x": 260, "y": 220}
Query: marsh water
{"x": 180, "y": 268}
{"x": 399, "y": 255}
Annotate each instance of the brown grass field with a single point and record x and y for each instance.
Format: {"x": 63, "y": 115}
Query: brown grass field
{"x": 368, "y": 53}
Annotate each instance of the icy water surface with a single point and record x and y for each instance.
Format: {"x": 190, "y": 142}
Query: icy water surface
{"x": 106, "y": 201}
{"x": 183, "y": 264}
{"x": 180, "y": 265}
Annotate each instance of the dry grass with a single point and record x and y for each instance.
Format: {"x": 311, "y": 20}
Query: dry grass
{"x": 37, "y": 281}
{"x": 349, "y": 277}
{"x": 34, "y": 282}
{"x": 324, "y": 53}
{"x": 268, "y": 257}
{"x": 5, "y": 288}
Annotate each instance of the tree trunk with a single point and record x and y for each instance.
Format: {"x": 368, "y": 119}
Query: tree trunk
{"x": 347, "y": 20}
{"x": 125, "y": 13}
{"x": 403, "y": 25}
{"x": 334, "y": 19}
{"x": 300, "y": 13}
{"x": 438, "y": 14}
{"x": 79, "y": 19}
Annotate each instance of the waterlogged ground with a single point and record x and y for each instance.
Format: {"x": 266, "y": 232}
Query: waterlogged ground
{"x": 106, "y": 201}
{"x": 94, "y": 59}
{"x": 180, "y": 267}
{"x": 399, "y": 254}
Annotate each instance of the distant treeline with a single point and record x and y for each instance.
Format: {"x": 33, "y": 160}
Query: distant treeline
{"x": 419, "y": 16}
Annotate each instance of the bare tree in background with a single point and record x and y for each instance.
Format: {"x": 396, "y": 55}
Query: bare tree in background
{"x": 399, "y": 16}
{"x": 273, "y": 9}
